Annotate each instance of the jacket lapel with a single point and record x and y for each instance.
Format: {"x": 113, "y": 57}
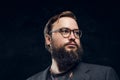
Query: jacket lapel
{"x": 44, "y": 74}
{"x": 80, "y": 73}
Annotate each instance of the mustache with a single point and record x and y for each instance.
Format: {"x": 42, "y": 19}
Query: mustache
{"x": 71, "y": 42}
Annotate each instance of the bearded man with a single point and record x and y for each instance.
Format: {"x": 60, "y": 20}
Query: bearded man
{"x": 62, "y": 40}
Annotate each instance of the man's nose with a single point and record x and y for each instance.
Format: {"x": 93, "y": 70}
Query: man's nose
{"x": 72, "y": 36}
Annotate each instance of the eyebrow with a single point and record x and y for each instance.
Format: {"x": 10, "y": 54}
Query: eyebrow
{"x": 68, "y": 28}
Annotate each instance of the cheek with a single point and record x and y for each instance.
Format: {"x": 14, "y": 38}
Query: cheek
{"x": 78, "y": 42}
{"x": 58, "y": 42}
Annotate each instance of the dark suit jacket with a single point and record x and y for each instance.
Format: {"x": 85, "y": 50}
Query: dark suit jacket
{"x": 84, "y": 71}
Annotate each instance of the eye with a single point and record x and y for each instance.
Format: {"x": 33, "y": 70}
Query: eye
{"x": 64, "y": 31}
{"x": 77, "y": 33}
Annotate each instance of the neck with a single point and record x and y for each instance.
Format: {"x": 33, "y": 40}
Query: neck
{"x": 54, "y": 67}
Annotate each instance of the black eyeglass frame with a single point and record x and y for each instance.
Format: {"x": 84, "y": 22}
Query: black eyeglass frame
{"x": 69, "y": 30}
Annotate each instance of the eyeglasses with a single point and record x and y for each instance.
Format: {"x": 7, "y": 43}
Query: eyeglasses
{"x": 66, "y": 32}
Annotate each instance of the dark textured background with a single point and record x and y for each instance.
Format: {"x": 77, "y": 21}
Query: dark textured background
{"x": 22, "y": 51}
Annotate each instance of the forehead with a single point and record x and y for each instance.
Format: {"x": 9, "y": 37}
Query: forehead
{"x": 65, "y": 22}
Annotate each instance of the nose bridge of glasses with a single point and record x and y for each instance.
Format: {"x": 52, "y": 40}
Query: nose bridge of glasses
{"x": 72, "y": 34}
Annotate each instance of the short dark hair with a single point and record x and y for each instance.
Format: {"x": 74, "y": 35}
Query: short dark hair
{"x": 52, "y": 20}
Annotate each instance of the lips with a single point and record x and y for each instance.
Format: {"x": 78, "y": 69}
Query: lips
{"x": 71, "y": 45}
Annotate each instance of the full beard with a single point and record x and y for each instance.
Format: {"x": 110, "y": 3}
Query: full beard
{"x": 66, "y": 59}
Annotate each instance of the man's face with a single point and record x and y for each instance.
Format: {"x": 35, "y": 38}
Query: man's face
{"x": 70, "y": 43}
{"x": 65, "y": 50}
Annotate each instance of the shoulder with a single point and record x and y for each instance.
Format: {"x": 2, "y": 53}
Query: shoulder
{"x": 40, "y": 75}
{"x": 35, "y": 76}
{"x": 99, "y": 71}
{"x": 95, "y": 66}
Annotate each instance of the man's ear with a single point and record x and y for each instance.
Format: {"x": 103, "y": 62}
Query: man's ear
{"x": 48, "y": 39}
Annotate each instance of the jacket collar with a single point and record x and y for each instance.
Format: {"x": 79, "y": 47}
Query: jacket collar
{"x": 80, "y": 72}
